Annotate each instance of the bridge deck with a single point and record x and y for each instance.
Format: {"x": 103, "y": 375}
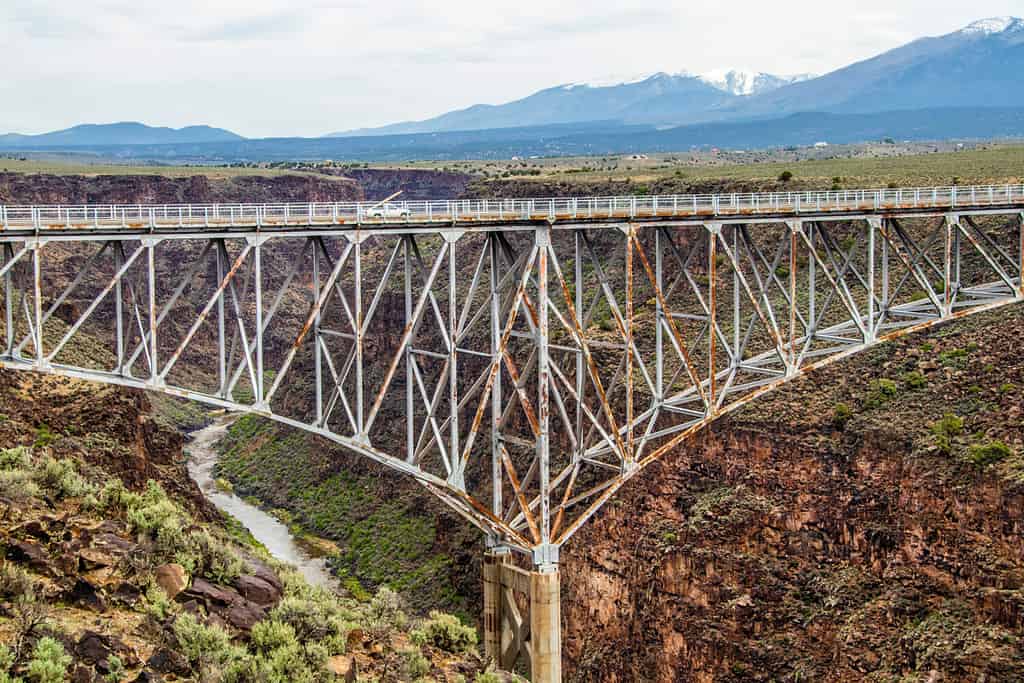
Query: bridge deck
{"x": 489, "y": 212}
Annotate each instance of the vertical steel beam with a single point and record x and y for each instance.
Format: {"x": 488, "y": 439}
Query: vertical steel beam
{"x": 812, "y": 283}
{"x": 628, "y": 331}
{"x": 873, "y": 224}
{"x": 659, "y": 314}
{"x": 154, "y": 372}
{"x": 542, "y": 239}
{"x": 410, "y": 371}
{"x": 453, "y": 365}
{"x": 222, "y": 358}
{"x": 712, "y": 234}
{"x": 947, "y": 273}
{"x": 360, "y": 338}
{"x": 1020, "y": 254}
{"x": 794, "y": 227}
{"x": 9, "y": 297}
{"x": 580, "y": 356}
{"x": 118, "y": 308}
{"x": 258, "y": 276}
{"x": 318, "y": 359}
{"x": 37, "y": 299}
{"x": 885, "y": 277}
{"x": 737, "y": 356}
{"x": 497, "y": 504}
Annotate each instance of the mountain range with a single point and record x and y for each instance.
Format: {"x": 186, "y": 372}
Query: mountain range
{"x": 977, "y": 66}
{"x": 965, "y": 84}
{"x": 124, "y": 133}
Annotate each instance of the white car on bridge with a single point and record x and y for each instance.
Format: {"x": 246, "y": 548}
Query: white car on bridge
{"x": 387, "y": 211}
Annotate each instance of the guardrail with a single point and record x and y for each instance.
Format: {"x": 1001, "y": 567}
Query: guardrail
{"x": 168, "y": 216}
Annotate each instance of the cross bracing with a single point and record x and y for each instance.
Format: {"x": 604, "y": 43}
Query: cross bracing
{"x": 520, "y": 359}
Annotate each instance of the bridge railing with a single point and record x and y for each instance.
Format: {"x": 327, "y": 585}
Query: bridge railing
{"x": 166, "y": 216}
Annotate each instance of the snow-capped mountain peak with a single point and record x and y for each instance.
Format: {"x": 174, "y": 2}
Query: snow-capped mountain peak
{"x": 994, "y": 25}
{"x": 745, "y": 82}
{"x": 740, "y": 82}
{"x": 616, "y": 81}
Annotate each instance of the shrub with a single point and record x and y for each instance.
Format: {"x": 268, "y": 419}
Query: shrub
{"x": 152, "y": 510}
{"x": 213, "y": 558}
{"x": 116, "y": 669}
{"x": 983, "y": 455}
{"x": 446, "y": 632}
{"x": 414, "y": 664}
{"x": 156, "y": 603}
{"x": 61, "y": 478}
{"x": 18, "y": 486}
{"x": 202, "y": 644}
{"x": 44, "y": 436}
{"x": 114, "y": 496}
{"x": 946, "y": 429}
{"x": 14, "y": 458}
{"x": 14, "y": 581}
{"x": 882, "y": 390}
{"x": 915, "y": 380}
{"x": 386, "y": 610}
{"x": 841, "y": 414}
{"x": 785, "y": 176}
{"x": 49, "y": 662}
{"x": 271, "y": 634}
{"x": 312, "y": 620}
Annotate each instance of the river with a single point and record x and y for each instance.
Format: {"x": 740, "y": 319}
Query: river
{"x": 268, "y": 530}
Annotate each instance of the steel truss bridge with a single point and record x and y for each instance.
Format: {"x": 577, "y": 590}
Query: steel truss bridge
{"x": 521, "y": 359}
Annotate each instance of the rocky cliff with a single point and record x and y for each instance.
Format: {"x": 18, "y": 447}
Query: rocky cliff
{"x": 18, "y": 188}
{"x": 864, "y": 523}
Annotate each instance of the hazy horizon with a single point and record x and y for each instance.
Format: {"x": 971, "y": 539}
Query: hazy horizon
{"x": 270, "y": 69}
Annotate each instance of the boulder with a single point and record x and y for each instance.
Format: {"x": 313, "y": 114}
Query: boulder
{"x": 258, "y": 590}
{"x": 30, "y": 553}
{"x": 243, "y": 615}
{"x": 262, "y": 571}
{"x": 167, "y": 661}
{"x": 172, "y": 579}
{"x": 96, "y": 648}
{"x": 207, "y": 593}
{"x": 94, "y": 558}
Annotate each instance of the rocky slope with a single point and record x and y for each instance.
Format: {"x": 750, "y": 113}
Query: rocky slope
{"x": 18, "y": 188}
{"x": 863, "y": 523}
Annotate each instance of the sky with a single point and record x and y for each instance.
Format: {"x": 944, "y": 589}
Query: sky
{"x": 307, "y": 68}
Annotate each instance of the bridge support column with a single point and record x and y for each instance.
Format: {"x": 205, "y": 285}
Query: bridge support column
{"x": 494, "y": 560}
{"x": 546, "y": 625}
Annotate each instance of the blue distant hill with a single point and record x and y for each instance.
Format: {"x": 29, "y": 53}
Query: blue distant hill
{"x": 125, "y": 133}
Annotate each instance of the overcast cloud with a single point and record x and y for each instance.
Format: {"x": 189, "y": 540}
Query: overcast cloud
{"x": 294, "y": 67}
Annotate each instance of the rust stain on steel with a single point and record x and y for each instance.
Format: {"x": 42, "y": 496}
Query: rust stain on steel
{"x": 672, "y": 325}
{"x": 513, "y": 372}
{"x": 524, "y": 505}
{"x": 560, "y": 515}
{"x": 591, "y": 364}
{"x": 496, "y": 362}
{"x": 407, "y": 331}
